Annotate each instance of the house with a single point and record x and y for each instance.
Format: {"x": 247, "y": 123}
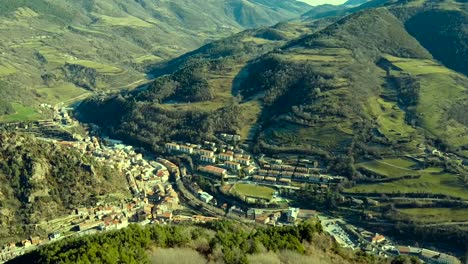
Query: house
{"x": 54, "y": 236}
{"x": 35, "y": 241}
{"x": 225, "y": 157}
{"x": 87, "y": 225}
{"x": 258, "y": 178}
{"x": 206, "y": 197}
{"x": 242, "y": 160}
{"x": 236, "y": 210}
{"x": 186, "y": 149}
{"x": 292, "y": 214}
{"x": 204, "y": 152}
{"x": 270, "y": 179}
{"x": 285, "y": 181}
{"x": 232, "y": 165}
{"x": 262, "y": 219}
{"x": 250, "y": 169}
{"x": 377, "y": 239}
{"x": 166, "y": 216}
{"x": 208, "y": 159}
{"x": 214, "y": 170}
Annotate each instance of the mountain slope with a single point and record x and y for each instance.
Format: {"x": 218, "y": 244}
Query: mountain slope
{"x": 43, "y": 181}
{"x": 51, "y": 50}
{"x": 359, "y": 87}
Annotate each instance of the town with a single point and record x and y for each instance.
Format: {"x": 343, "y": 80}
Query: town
{"x": 163, "y": 192}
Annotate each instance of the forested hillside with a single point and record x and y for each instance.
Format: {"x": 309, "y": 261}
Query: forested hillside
{"x": 217, "y": 242}
{"x": 42, "y": 181}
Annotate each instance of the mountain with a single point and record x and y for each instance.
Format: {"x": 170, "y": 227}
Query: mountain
{"x": 355, "y": 2}
{"x": 349, "y": 7}
{"x": 363, "y": 86}
{"x": 55, "y": 50}
{"x": 42, "y": 181}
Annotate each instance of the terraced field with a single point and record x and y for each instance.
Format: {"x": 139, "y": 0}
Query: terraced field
{"x": 22, "y": 113}
{"x": 436, "y": 215}
{"x": 432, "y": 181}
{"x": 389, "y": 168}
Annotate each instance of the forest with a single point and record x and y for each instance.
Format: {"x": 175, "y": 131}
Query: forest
{"x": 213, "y": 242}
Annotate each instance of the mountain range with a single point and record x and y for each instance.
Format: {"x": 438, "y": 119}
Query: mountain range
{"x": 53, "y": 51}
{"x": 365, "y": 85}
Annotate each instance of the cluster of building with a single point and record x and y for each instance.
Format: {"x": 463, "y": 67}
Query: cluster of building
{"x": 428, "y": 256}
{"x": 285, "y": 174}
{"x": 227, "y": 157}
{"x": 12, "y": 250}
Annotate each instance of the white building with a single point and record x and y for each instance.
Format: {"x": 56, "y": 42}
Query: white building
{"x": 206, "y": 197}
{"x": 292, "y": 214}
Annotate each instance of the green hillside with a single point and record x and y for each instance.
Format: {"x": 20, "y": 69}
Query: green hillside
{"x": 355, "y": 90}
{"x": 43, "y": 181}
{"x": 109, "y": 45}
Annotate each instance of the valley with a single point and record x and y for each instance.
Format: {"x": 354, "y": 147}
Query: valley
{"x": 234, "y": 115}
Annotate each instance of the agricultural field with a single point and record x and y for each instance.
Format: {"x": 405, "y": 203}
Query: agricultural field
{"x": 60, "y": 93}
{"x": 436, "y": 215}
{"x": 391, "y": 119}
{"x": 327, "y": 55}
{"x": 126, "y": 21}
{"x": 389, "y": 168}
{"x": 99, "y": 67}
{"x": 6, "y": 69}
{"x": 254, "y": 191}
{"x": 22, "y": 113}
{"x": 434, "y": 102}
{"x": 432, "y": 181}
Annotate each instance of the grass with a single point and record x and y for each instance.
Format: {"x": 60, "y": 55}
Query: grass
{"x": 60, "y": 93}
{"x": 22, "y": 113}
{"x": 432, "y": 181}
{"x": 329, "y": 135}
{"x": 436, "y": 215}
{"x": 258, "y": 41}
{"x": 253, "y": 109}
{"x": 147, "y": 58}
{"x": 6, "y": 69}
{"x": 24, "y": 12}
{"x": 126, "y": 21}
{"x": 255, "y": 191}
{"x": 441, "y": 88}
{"x": 391, "y": 168}
{"x": 391, "y": 119}
{"x": 99, "y": 67}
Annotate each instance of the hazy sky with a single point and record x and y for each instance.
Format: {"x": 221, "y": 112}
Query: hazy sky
{"x": 321, "y": 2}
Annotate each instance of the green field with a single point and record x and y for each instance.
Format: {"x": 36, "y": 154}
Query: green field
{"x": 255, "y": 191}
{"x": 440, "y": 89}
{"x": 99, "y": 67}
{"x": 391, "y": 119}
{"x": 391, "y": 168}
{"x": 60, "y": 93}
{"x": 22, "y": 113}
{"x": 127, "y": 21}
{"x": 432, "y": 181}
{"x": 6, "y": 69}
{"x": 436, "y": 215}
